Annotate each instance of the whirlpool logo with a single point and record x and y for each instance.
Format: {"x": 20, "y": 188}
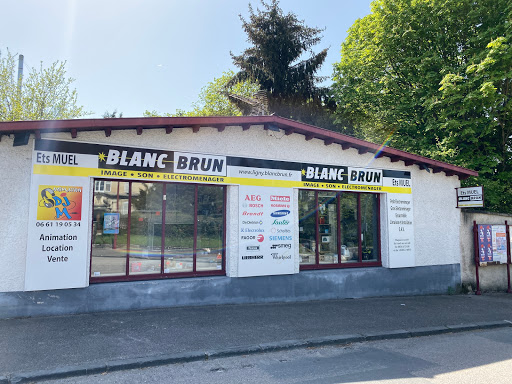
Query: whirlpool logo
{"x": 280, "y": 213}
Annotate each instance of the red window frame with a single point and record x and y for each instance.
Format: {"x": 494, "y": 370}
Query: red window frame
{"x": 162, "y": 275}
{"x": 360, "y": 263}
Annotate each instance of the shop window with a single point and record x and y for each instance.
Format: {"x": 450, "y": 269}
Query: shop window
{"x": 163, "y": 230}
{"x": 338, "y": 229}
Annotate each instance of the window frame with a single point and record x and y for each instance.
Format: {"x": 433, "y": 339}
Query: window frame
{"x": 360, "y": 263}
{"x": 158, "y": 276}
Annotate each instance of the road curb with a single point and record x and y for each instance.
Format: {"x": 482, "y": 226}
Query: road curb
{"x": 144, "y": 362}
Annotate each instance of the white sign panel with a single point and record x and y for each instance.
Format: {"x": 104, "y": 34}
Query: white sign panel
{"x": 57, "y": 254}
{"x": 266, "y": 238}
{"x": 470, "y": 197}
{"x": 400, "y": 226}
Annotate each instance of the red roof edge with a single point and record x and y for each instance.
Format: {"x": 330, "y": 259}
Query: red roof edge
{"x": 37, "y": 127}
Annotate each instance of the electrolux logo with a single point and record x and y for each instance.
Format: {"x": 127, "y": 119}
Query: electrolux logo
{"x": 257, "y": 230}
{"x": 280, "y": 213}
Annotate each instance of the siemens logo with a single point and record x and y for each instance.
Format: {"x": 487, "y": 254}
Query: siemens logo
{"x": 281, "y": 238}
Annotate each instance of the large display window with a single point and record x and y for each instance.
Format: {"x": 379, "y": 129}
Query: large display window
{"x": 146, "y": 230}
{"x": 338, "y": 229}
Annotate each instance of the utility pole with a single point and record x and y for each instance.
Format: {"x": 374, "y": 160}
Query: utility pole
{"x": 20, "y": 72}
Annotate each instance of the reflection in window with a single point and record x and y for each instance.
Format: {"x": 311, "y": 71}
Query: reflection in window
{"x": 328, "y": 227}
{"x": 179, "y": 228}
{"x": 146, "y": 228}
{"x": 109, "y": 231}
{"x": 157, "y": 229}
{"x": 307, "y": 228}
{"x": 348, "y": 223}
{"x": 210, "y": 228}
{"x": 369, "y": 227}
{"x": 338, "y": 228}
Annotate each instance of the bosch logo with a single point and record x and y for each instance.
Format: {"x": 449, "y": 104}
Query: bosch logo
{"x": 280, "y": 213}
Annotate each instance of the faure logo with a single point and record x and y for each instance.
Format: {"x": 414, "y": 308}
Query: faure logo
{"x": 280, "y": 213}
{"x": 285, "y": 199}
{"x": 260, "y": 238}
{"x": 252, "y": 197}
{"x": 282, "y": 222}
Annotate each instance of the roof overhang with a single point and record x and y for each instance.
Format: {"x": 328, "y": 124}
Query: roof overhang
{"x": 37, "y": 127}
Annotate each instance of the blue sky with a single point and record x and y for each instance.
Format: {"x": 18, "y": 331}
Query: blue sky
{"x": 135, "y": 55}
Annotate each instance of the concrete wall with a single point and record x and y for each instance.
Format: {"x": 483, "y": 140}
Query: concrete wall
{"x": 492, "y": 277}
{"x": 308, "y": 285}
{"x": 436, "y": 219}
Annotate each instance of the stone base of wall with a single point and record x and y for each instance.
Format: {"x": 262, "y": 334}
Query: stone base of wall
{"x": 307, "y": 285}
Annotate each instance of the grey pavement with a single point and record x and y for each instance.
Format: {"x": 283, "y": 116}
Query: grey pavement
{"x": 62, "y": 346}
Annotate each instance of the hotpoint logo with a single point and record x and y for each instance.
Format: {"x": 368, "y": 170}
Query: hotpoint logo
{"x": 280, "y": 213}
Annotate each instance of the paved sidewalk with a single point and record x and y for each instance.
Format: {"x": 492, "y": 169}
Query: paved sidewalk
{"x": 50, "y": 347}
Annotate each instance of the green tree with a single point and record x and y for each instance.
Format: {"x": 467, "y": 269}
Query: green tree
{"x": 213, "y": 100}
{"x": 276, "y": 62}
{"x": 45, "y": 93}
{"x": 421, "y": 74}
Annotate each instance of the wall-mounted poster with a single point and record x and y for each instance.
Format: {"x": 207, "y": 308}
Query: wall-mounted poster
{"x": 266, "y": 231}
{"x": 492, "y": 243}
{"x": 111, "y": 223}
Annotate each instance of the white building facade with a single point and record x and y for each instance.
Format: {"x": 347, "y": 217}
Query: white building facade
{"x": 116, "y": 214}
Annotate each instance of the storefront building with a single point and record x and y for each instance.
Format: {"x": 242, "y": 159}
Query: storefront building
{"x": 114, "y": 214}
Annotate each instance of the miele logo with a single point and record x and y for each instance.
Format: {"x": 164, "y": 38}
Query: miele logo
{"x": 285, "y": 199}
{"x": 197, "y": 164}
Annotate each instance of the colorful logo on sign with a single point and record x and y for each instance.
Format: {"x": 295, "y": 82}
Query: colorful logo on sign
{"x": 58, "y": 202}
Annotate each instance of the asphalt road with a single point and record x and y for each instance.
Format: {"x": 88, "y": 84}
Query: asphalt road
{"x": 469, "y": 357}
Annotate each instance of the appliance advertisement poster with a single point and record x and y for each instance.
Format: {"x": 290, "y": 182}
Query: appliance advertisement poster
{"x": 266, "y": 231}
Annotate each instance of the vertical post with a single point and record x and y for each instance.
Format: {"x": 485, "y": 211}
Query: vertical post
{"x": 508, "y": 256}
{"x": 119, "y": 212}
{"x": 20, "y": 72}
{"x": 477, "y": 260}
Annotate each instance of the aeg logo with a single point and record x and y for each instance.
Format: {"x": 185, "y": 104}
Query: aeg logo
{"x": 252, "y": 197}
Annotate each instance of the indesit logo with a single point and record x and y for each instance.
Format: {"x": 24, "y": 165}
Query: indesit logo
{"x": 280, "y": 213}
